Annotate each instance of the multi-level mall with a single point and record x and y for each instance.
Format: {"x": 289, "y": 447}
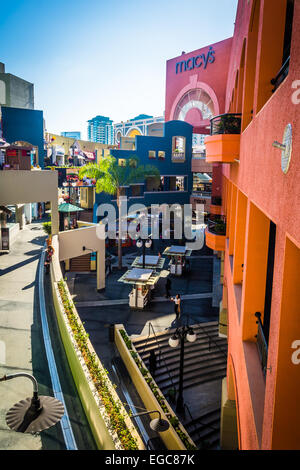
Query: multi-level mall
{"x": 149, "y": 285}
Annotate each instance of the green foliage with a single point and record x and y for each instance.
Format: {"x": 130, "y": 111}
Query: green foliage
{"x": 173, "y": 419}
{"x": 99, "y": 375}
{"x": 47, "y": 227}
{"x": 110, "y": 176}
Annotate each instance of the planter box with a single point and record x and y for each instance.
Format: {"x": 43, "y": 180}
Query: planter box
{"x": 170, "y": 437}
{"x": 105, "y": 437}
{"x": 214, "y": 241}
{"x": 222, "y": 148}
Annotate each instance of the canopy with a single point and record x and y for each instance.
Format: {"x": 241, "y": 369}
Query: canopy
{"x": 67, "y": 207}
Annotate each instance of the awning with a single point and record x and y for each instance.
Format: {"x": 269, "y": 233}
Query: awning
{"x": 90, "y": 155}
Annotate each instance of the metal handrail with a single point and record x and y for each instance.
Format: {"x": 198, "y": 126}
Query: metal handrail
{"x": 284, "y": 69}
{"x": 261, "y": 343}
{"x": 203, "y": 424}
{"x": 228, "y": 123}
{"x": 213, "y": 341}
{"x": 160, "y": 352}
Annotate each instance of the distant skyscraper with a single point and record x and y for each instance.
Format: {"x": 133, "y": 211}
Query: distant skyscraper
{"x": 72, "y": 135}
{"x": 100, "y": 129}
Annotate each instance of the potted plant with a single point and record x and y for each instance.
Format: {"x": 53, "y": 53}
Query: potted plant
{"x": 47, "y": 230}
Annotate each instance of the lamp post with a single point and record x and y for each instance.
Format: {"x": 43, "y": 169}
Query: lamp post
{"x": 181, "y": 334}
{"x": 145, "y": 244}
{"x": 157, "y": 424}
{"x": 33, "y": 414}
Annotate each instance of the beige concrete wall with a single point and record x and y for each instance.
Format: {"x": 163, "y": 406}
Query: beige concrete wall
{"x": 23, "y": 186}
{"x": 71, "y": 243}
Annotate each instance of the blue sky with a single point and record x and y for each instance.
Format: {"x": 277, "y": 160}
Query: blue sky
{"x": 104, "y": 57}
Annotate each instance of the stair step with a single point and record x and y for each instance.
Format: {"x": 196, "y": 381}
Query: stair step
{"x": 194, "y": 381}
{"x": 191, "y": 349}
{"x": 189, "y": 369}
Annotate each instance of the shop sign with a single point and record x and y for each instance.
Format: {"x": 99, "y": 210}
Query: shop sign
{"x": 196, "y": 61}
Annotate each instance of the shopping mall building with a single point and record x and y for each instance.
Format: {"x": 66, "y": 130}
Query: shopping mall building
{"x": 249, "y": 85}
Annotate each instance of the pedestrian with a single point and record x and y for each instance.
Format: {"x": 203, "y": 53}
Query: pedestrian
{"x": 177, "y": 309}
{"x": 168, "y": 287}
{"x": 108, "y": 264}
{"x": 152, "y": 363}
{"x": 40, "y": 211}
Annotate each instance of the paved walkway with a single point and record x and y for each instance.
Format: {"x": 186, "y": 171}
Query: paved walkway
{"x": 22, "y": 346}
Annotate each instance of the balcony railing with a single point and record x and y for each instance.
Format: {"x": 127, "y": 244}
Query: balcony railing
{"x": 216, "y": 200}
{"x": 261, "y": 342}
{"x": 178, "y": 155}
{"x": 283, "y": 72}
{"x": 229, "y": 123}
{"x": 217, "y": 225}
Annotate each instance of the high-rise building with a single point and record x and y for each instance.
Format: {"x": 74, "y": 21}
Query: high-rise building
{"x": 72, "y": 135}
{"x": 100, "y": 129}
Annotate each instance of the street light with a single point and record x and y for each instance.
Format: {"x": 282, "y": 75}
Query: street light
{"x": 33, "y": 414}
{"x": 145, "y": 244}
{"x": 157, "y": 424}
{"x": 181, "y": 334}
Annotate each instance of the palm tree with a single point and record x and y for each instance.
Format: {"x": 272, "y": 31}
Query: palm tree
{"x": 111, "y": 177}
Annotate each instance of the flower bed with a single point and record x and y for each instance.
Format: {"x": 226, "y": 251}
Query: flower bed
{"x": 156, "y": 392}
{"x": 113, "y": 407}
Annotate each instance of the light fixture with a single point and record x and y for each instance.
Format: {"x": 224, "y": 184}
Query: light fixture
{"x": 157, "y": 424}
{"x": 191, "y": 336}
{"x": 139, "y": 243}
{"x": 174, "y": 341}
{"x": 148, "y": 243}
{"x": 65, "y": 184}
{"x": 33, "y": 414}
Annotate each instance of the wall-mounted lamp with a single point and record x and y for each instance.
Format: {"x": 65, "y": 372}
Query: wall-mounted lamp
{"x": 157, "y": 424}
{"x": 33, "y": 414}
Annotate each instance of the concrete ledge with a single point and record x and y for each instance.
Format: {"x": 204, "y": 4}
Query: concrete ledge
{"x": 170, "y": 437}
{"x": 99, "y": 421}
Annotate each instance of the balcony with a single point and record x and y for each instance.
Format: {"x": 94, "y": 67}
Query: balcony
{"x": 223, "y": 143}
{"x": 178, "y": 157}
{"x": 215, "y": 233}
{"x": 282, "y": 74}
{"x": 216, "y": 205}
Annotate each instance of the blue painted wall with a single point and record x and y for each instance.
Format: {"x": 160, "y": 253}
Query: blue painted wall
{"x": 166, "y": 167}
{"x": 26, "y": 125}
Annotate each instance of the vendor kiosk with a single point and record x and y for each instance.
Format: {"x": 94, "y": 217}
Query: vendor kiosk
{"x": 143, "y": 280}
{"x": 151, "y": 262}
{"x": 177, "y": 255}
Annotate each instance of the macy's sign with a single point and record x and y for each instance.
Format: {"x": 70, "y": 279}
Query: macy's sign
{"x": 196, "y": 61}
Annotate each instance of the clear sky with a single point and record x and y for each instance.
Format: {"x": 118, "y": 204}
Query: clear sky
{"x": 108, "y": 57}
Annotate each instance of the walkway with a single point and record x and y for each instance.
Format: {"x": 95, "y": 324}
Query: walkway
{"x": 22, "y": 347}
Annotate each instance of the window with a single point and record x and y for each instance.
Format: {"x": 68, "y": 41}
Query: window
{"x": 161, "y": 155}
{"x": 152, "y": 154}
{"x": 178, "y": 149}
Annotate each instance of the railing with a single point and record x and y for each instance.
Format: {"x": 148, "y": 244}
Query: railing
{"x": 201, "y": 194}
{"x": 199, "y": 156}
{"x": 178, "y": 155}
{"x": 200, "y": 422}
{"x": 229, "y": 123}
{"x": 283, "y": 72}
{"x": 160, "y": 354}
{"x": 216, "y": 200}
{"x": 261, "y": 342}
{"x": 217, "y": 225}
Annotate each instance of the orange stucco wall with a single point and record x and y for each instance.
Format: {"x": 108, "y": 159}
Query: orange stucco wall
{"x": 268, "y": 409}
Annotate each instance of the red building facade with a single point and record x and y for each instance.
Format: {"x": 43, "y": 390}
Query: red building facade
{"x": 259, "y": 157}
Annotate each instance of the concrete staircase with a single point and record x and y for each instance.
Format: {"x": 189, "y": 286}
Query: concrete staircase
{"x": 205, "y": 361}
{"x": 81, "y": 263}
